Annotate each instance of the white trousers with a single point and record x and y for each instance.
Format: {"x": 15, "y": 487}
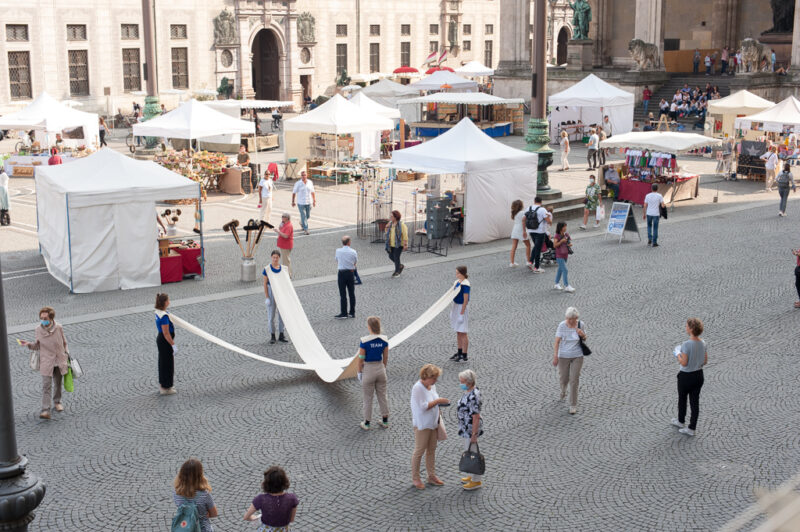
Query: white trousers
{"x": 266, "y": 208}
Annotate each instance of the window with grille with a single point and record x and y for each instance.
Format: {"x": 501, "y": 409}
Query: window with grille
{"x": 19, "y": 75}
{"x": 467, "y": 46}
{"x": 131, "y": 70}
{"x": 130, "y": 32}
{"x": 78, "y": 72}
{"x": 489, "y": 29}
{"x": 467, "y": 29}
{"x": 16, "y": 32}
{"x": 177, "y": 31}
{"x": 341, "y": 58}
{"x": 76, "y": 32}
{"x": 405, "y": 54}
{"x": 180, "y": 68}
{"x": 433, "y": 46}
{"x": 341, "y": 30}
{"x": 405, "y": 29}
{"x": 487, "y": 53}
{"x": 374, "y": 29}
{"x": 374, "y": 57}
{"x": 433, "y": 29}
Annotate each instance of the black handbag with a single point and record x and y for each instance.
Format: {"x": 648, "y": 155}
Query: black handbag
{"x": 472, "y": 461}
{"x": 584, "y": 348}
{"x": 663, "y": 210}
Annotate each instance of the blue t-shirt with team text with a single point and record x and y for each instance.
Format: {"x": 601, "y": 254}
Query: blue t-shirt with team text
{"x": 464, "y": 289}
{"x": 373, "y": 347}
{"x": 164, "y": 320}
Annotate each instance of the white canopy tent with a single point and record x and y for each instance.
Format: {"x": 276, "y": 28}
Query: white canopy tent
{"x": 371, "y": 106}
{"x": 494, "y": 176}
{"x": 467, "y": 98}
{"x": 728, "y": 108}
{"x": 220, "y": 105}
{"x": 475, "y": 69}
{"x": 192, "y": 120}
{"x": 591, "y": 99}
{"x": 48, "y": 115}
{"x": 660, "y": 141}
{"x": 435, "y": 81}
{"x": 389, "y": 93}
{"x": 97, "y": 220}
{"x": 782, "y": 114}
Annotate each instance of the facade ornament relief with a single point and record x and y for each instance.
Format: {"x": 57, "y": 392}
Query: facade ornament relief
{"x": 305, "y": 27}
{"x": 224, "y": 28}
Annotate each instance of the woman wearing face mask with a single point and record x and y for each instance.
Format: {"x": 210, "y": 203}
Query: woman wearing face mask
{"x": 52, "y": 347}
{"x": 470, "y": 423}
{"x": 591, "y": 201}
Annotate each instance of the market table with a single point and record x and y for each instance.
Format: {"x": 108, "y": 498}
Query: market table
{"x": 635, "y": 191}
{"x": 28, "y": 163}
{"x": 171, "y": 268}
{"x": 190, "y": 260}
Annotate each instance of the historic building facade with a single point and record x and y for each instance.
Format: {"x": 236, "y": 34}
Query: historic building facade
{"x": 92, "y": 51}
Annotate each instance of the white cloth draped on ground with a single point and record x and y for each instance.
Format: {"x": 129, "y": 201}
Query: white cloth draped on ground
{"x": 306, "y": 343}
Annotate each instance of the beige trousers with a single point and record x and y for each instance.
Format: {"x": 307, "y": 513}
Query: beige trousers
{"x": 569, "y": 372}
{"x": 424, "y": 443}
{"x": 374, "y": 381}
{"x": 769, "y": 180}
{"x": 47, "y": 388}
{"x": 286, "y": 260}
{"x": 266, "y": 209}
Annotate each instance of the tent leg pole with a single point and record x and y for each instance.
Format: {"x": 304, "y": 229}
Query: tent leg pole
{"x": 202, "y": 245}
{"x": 69, "y": 244}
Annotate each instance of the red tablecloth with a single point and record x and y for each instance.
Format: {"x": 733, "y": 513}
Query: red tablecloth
{"x": 190, "y": 258}
{"x": 635, "y": 191}
{"x": 171, "y": 269}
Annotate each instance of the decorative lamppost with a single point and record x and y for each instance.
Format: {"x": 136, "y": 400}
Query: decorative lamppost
{"x": 151, "y": 106}
{"x": 538, "y": 135}
{"x": 20, "y": 491}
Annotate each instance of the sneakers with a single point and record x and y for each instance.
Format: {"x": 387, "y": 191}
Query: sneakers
{"x": 582, "y": 226}
{"x": 649, "y": 242}
{"x": 402, "y": 267}
{"x": 384, "y": 424}
{"x": 597, "y": 224}
{"x": 469, "y": 486}
{"x": 573, "y": 410}
{"x": 272, "y": 339}
{"x": 687, "y": 431}
{"x": 457, "y": 356}
{"x": 59, "y": 407}
{"x": 351, "y": 315}
{"x": 558, "y": 287}
{"x": 655, "y": 245}
{"x": 513, "y": 265}
{"x": 569, "y": 289}
{"x": 395, "y": 274}
{"x": 462, "y": 358}
{"x": 466, "y": 480}
{"x": 677, "y": 423}
{"x": 341, "y": 316}
{"x": 364, "y": 425}
{"x": 282, "y": 339}
{"x": 530, "y": 266}
{"x": 538, "y": 270}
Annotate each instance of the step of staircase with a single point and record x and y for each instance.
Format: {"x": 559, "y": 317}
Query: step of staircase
{"x": 565, "y": 208}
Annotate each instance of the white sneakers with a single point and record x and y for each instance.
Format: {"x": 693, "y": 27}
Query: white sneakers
{"x": 538, "y": 270}
{"x": 569, "y": 289}
{"x": 682, "y": 428}
{"x": 573, "y": 410}
{"x": 582, "y": 226}
{"x": 513, "y": 265}
{"x": 558, "y": 287}
{"x": 677, "y": 423}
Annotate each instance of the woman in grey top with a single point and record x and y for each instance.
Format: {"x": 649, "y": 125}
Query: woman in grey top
{"x": 692, "y": 356}
{"x": 568, "y": 356}
{"x": 785, "y": 181}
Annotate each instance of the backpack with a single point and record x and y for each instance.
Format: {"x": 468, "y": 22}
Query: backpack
{"x": 531, "y": 218}
{"x": 186, "y": 518}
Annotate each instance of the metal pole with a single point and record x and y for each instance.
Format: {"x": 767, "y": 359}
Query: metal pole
{"x": 151, "y": 105}
{"x": 20, "y": 491}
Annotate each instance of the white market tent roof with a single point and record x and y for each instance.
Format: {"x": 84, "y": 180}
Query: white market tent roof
{"x": 338, "y": 116}
{"x": 388, "y": 88}
{"x": 50, "y": 115}
{"x": 592, "y": 91}
{"x": 365, "y": 103}
{"x": 469, "y": 98}
{"x": 192, "y": 120}
{"x": 740, "y": 103}
{"x": 435, "y": 81}
{"x": 785, "y": 113}
{"x": 97, "y": 220}
{"x": 661, "y": 141}
{"x": 249, "y": 104}
{"x": 464, "y": 148}
{"x": 475, "y": 68}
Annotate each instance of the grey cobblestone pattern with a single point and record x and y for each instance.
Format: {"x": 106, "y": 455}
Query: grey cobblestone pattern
{"x": 109, "y": 460}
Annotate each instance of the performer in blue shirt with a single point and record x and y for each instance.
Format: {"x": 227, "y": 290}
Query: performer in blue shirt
{"x": 459, "y": 315}
{"x": 166, "y": 346}
{"x": 373, "y": 354}
{"x": 272, "y": 309}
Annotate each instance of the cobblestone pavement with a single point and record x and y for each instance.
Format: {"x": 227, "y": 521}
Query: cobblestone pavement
{"x": 109, "y": 460}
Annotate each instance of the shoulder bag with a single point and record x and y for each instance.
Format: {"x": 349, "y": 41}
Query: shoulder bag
{"x": 33, "y": 362}
{"x": 472, "y": 461}
{"x": 441, "y": 432}
{"x": 584, "y": 348}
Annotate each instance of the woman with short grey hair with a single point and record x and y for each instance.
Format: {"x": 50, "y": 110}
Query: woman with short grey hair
{"x": 470, "y": 422}
{"x": 568, "y": 355}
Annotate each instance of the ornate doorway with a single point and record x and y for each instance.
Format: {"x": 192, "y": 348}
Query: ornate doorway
{"x": 561, "y": 48}
{"x": 266, "y": 55}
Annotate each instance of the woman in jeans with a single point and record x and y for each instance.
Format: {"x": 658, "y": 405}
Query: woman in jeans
{"x": 568, "y": 355}
{"x": 191, "y": 485}
{"x": 425, "y": 418}
{"x": 373, "y": 355}
{"x": 785, "y": 181}
{"x": 470, "y": 422}
{"x": 278, "y": 508}
{"x": 562, "y": 245}
{"x": 692, "y": 356}
{"x": 396, "y": 241}
{"x": 53, "y": 358}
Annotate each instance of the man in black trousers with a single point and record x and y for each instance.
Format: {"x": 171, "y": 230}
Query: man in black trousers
{"x": 346, "y": 257}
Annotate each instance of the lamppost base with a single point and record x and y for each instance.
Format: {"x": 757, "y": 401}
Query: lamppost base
{"x": 538, "y": 141}
{"x": 20, "y": 494}
{"x": 152, "y": 109}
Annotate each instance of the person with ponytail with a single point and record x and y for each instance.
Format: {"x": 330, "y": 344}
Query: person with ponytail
{"x": 166, "y": 346}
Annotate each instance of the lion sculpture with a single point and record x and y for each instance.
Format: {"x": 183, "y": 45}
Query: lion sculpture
{"x": 753, "y": 53}
{"x": 645, "y": 54}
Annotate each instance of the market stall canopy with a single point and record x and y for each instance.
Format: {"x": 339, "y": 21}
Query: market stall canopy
{"x": 661, "y": 141}
{"x": 350, "y": 88}
{"x": 337, "y": 116}
{"x": 249, "y": 104}
{"x": 468, "y": 98}
{"x": 387, "y": 88}
{"x": 464, "y": 148}
{"x": 785, "y": 113}
{"x": 592, "y": 91}
{"x": 475, "y": 68}
{"x": 97, "y": 220}
{"x": 443, "y": 77}
{"x": 363, "y": 77}
{"x": 50, "y": 115}
{"x": 193, "y": 120}
{"x": 371, "y": 106}
{"x": 740, "y": 103}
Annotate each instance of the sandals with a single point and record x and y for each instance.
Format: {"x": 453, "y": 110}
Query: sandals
{"x": 435, "y": 481}
{"x": 419, "y": 485}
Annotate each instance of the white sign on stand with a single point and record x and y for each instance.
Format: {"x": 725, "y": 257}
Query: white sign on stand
{"x": 621, "y": 219}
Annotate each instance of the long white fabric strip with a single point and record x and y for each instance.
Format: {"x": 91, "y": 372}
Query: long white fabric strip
{"x": 305, "y": 340}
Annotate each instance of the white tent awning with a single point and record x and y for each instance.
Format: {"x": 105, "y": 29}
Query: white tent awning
{"x": 249, "y": 104}
{"x": 52, "y": 116}
{"x": 782, "y": 114}
{"x": 369, "y": 105}
{"x": 662, "y": 141}
{"x": 739, "y": 103}
{"x": 337, "y": 116}
{"x": 475, "y": 68}
{"x": 443, "y": 77}
{"x": 592, "y": 91}
{"x": 467, "y": 98}
{"x": 192, "y": 120}
{"x": 388, "y": 88}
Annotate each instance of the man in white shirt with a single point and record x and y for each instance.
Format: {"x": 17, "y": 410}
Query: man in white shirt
{"x": 346, "y": 259}
{"x": 303, "y": 191}
{"x": 539, "y": 233}
{"x": 265, "y": 187}
{"x": 591, "y": 157}
{"x": 652, "y": 213}
{"x": 771, "y": 164}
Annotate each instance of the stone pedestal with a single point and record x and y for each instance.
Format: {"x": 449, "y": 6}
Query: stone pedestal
{"x": 781, "y": 43}
{"x": 579, "y": 54}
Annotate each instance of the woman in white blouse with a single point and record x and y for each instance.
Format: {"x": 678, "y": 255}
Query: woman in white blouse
{"x": 425, "y": 417}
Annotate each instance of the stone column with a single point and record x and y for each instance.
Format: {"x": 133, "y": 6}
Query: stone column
{"x": 650, "y": 17}
{"x": 796, "y": 37}
{"x": 724, "y": 23}
{"x": 515, "y": 53}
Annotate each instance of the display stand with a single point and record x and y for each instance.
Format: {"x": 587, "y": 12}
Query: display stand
{"x": 621, "y": 219}
{"x": 375, "y": 196}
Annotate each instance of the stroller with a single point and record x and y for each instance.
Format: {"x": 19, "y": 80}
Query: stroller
{"x": 548, "y": 252}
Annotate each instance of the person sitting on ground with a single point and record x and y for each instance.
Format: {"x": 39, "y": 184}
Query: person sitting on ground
{"x": 278, "y": 508}
{"x": 648, "y": 126}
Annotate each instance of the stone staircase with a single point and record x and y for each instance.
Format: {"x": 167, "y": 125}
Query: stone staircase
{"x": 564, "y": 208}
{"x": 676, "y": 82}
